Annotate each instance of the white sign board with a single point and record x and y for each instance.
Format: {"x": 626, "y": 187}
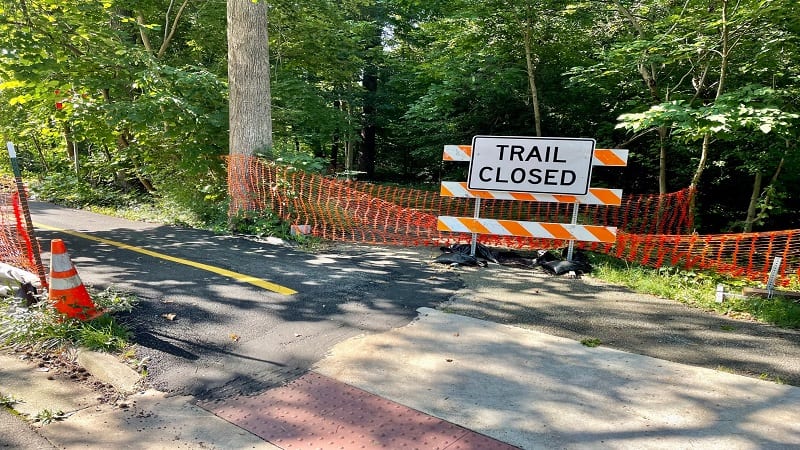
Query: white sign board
{"x": 531, "y": 164}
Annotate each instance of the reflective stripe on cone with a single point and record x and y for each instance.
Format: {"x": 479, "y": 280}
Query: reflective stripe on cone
{"x": 67, "y": 292}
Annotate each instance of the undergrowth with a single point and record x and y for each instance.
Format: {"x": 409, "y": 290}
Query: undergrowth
{"x": 697, "y": 289}
{"x": 40, "y": 327}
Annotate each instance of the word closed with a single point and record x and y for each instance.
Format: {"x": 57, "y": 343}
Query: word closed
{"x": 529, "y": 164}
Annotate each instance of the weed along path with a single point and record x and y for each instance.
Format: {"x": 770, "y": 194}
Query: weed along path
{"x": 220, "y": 316}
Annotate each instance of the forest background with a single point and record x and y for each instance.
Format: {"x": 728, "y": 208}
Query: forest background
{"x": 127, "y": 101}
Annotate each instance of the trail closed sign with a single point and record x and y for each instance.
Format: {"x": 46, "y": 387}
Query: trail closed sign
{"x": 531, "y": 164}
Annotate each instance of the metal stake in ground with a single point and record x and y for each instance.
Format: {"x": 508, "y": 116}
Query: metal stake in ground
{"x": 26, "y": 213}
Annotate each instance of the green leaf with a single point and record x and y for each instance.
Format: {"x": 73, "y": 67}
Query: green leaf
{"x": 13, "y": 84}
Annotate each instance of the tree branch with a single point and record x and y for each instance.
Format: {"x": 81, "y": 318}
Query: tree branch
{"x": 172, "y": 30}
{"x": 143, "y": 32}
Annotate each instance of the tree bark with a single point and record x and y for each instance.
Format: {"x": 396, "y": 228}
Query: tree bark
{"x": 537, "y": 115}
{"x": 174, "y": 27}
{"x": 369, "y": 81}
{"x": 143, "y": 32}
{"x": 72, "y": 148}
{"x": 366, "y": 160}
{"x": 723, "y": 69}
{"x": 662, "y": 160}
{"x": 335, "y": 143}
{"x": 250, "y": 102}
{"x": 648, "y": 75}
{"x": 751, "y": 208}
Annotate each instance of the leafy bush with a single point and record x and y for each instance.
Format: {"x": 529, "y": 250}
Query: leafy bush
{"x": 70, "y": 190}
{"x": 260, "y": 224}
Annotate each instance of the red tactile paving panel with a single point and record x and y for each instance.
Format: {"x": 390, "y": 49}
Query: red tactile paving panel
{"x": 316, "y": 412}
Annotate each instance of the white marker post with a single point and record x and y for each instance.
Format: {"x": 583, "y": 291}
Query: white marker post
{"x": 773, "y": 274}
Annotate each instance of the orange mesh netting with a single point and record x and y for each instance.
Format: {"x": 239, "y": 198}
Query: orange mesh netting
{"x": 16, "y": 247}
{"x": 653, "y": 230}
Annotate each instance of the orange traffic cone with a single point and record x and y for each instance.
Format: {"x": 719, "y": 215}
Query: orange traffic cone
{"x": 67, "y": 292}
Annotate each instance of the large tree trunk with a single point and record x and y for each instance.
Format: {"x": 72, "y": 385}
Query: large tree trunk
{"x": 366, "y": 160}
{"x": 248, "y": 78}
{"x": 368, "y": 153}
{"x": 333, "y": 167}
{"x": 250, "y": 104}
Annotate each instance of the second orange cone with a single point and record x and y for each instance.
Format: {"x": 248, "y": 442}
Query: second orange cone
{"x": 67, "y": 292}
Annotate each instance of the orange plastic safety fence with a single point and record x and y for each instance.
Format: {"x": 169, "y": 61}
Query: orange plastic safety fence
{"x": 745, "y": 255}
{"x": 653, "y": 230}
{"x": 15, "y": 243}
{"x": 370, "y": 213}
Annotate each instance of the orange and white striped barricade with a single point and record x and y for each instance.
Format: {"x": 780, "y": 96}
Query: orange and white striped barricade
{"x": 596, "y": 196}
{"x": 571, "y": 232}
{"x": 545, "y": 230}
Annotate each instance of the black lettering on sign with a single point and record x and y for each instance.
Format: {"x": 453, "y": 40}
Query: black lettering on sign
{"x": 534, "y": 154}
{"x": 555, "y": 156}
{"x": 480, "y": 174}
{"x": 519, "y": 175}
{"x": 516, "y": 150}
{"x": 502, "y": 148}
{"x": 550, "y": 177}
{"x": 535, "y": 178}
{"x": 498, "y": 179}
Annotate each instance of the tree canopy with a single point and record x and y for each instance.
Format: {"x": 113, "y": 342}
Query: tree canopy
{"x": 133, "y": 94}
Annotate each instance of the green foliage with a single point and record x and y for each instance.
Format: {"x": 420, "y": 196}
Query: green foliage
{"x": 591, "y": 342}
{"x": 70, "y": 190}
{"x": 48, "y": 416}
{"x": 732, "y": 114}
{"x": 697, "y": 289}
{"x": 106, "y": 91}
{"x": 7, "y": 401}
{"x": 41, "y": 327}
{"x": 261, "y": 224}
{"x": 298, "y": 160}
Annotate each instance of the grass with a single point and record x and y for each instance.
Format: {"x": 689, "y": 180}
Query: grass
{"x": 591, "y": 342}
{"x": 696, "y": 289}
{"x": 40, "y": 327}
{"x": 7, "y": 401}
{"x": 47, "y": 416}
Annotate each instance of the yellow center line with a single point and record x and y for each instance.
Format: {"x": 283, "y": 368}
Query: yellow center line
{"x": 218, "y": 270}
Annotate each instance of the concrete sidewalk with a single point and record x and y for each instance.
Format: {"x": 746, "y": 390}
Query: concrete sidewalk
{"x": 539, "y": 391}
{"x": 141, "y": 419}
{"x": 518, "y": 386}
